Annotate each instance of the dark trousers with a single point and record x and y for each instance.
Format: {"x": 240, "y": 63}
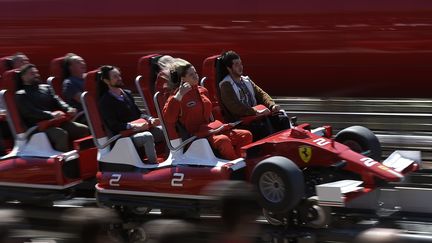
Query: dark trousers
{"x": 266, "y": 126}
{"x": 5, "y": 134}
{"x": 279, "y": 122}
{"x": 61, "y": 136}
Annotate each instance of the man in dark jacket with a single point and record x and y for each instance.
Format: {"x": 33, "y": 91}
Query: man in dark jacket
{"x": 73, "y": 85}
{"x": 36, "y": 103}
{"x": 120, "y": 113}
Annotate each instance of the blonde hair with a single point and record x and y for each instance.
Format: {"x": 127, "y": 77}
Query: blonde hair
{"x": 178, "y": 70}
{"x": 165, "y": 63}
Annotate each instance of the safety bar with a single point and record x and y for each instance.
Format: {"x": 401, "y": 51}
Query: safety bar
{"x": 138, "y": 87}
{"x": 165, "y": 130}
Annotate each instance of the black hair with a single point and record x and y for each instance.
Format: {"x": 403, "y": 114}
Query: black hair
{"x": 105, "y": 71}
{"x": 66, "y": 64}
{"x": 104, "y": 74}
{"x": 22, "y": 71}
{"x": 25, "y": 68}
{"x": 174, "y": 77}
{"x": 228, "y": 57}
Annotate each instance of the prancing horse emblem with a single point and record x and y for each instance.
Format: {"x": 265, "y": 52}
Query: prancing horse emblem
{"x": 305, "y": 153}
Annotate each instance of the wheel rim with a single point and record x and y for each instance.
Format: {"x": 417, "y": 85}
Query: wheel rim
{"x": 272, "y": 187}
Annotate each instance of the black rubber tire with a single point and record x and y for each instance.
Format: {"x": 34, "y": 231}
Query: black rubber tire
{"x": 364, "y": 137}
{"x": 287, "y": 173}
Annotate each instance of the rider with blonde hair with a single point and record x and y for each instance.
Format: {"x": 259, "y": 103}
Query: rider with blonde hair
{"x": 190, "y": 106}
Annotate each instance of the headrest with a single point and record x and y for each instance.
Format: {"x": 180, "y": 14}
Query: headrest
{"x": 221, "y": 71}
{"x": 9, "y": 80}
{"x": 93, "y": 82}
{"x": 57, "y": 68}
{"x": 5, "y": 64}
{"x": 148, "y": 68}
{"x": 147, "y": 63}
{"x": 210, "y": 70}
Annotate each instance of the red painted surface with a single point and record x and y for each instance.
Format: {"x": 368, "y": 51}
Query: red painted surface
{"x": 291, "y": 48}
{"x": 46, "y": 171}
{"x": 160, "y": 180}
{"x": 38, "y": 171}
{"x": 324, "y": 152}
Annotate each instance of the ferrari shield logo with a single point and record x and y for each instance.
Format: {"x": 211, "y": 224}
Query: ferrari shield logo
{"x": 305, "y": 153}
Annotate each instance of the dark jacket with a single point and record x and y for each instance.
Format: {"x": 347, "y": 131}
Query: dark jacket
{"x": 71, "y": 87}
{"x": 36, "y": 102}
{"x": 116, "y": 113}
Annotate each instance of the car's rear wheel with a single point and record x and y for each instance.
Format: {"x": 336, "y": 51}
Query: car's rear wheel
{"x": 362, "y": 140}
{"x": 279, "y": 182}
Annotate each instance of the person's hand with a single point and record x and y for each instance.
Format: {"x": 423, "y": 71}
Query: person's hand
{"x": 155, "y": 122}
{"x": 183, "y": 89}
{"x": 72, "y": 111}
{"x": 275, "y": 108}
{"x": 57, "y": 114}
{"x": 140, "y": 127}
{"x": 262, "y": 111}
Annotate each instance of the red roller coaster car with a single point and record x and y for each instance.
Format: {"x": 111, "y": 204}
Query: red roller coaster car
{"x": 33, "y": 171}
{"x": 297, "y": 168}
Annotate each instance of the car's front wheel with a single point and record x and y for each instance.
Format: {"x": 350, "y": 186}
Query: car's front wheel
{"x": 279, "y": 182}
{"x": 361, "y": 140}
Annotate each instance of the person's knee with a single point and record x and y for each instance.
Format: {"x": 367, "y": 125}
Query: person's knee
{"x": 221, "y": 141}
{"x": 157, "y": 133}
{"x": 246, "y": 136}
{"x": 83, "y": 130}
{"x": 59, "y": 138}
{"x": 145, "y": 138}
{"x": 56, "y": 133}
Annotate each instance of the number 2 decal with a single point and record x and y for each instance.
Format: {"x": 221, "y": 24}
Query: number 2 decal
{"x": 321, "y": 141}
{"x": 177, "y": 179}
{"x": 115, "y": 179}
{"x": 368, "y": 161}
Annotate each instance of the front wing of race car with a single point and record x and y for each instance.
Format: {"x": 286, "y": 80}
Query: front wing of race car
{"x": 338, "y": 193}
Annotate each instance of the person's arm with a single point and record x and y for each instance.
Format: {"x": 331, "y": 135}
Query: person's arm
{"x": 144, "y": 116}
{"x": 28, "y": 110}
{"x": 71, "y": 92}
{"x": 60, "y": 104}
{"x": 262, "y": 97}
{"x": 232, "y": 103}
{"x": 206, "y": 102}
{"x": 171, "y": 110}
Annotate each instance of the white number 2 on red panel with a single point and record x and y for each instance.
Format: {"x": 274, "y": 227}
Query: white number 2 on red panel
{"x": 368, "y": 161}
{"x": 177, "y": 179}
{"x": 321, "y": 141}
{"x": 115, "y": 179}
